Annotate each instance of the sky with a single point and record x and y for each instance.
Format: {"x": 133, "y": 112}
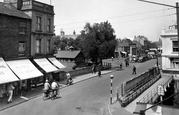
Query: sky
{"x": 128, "y": 18}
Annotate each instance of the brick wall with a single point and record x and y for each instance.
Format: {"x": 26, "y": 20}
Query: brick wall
{"x": 10, "y": 37}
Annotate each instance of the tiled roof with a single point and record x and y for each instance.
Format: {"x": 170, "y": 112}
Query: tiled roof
{"x": 10, "y": 10}
{"x": 67, "y": 54}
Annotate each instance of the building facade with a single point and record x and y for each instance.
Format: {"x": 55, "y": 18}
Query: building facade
{"x": 170, "y": 54}
{"x": 42, "y": 26}
{"x": 125, "y": 46}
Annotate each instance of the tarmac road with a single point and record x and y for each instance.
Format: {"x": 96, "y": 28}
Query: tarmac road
{"x": 90, "y": 97}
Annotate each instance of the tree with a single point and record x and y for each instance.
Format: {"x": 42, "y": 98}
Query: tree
{"x": 98, "y": 41}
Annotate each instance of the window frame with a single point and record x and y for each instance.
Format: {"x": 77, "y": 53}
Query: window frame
{"x": 38, "y": 46}
{"x": 48, "y": 46}
{"x": 22, "y": 27}
{"x": 175, "y": 46}
{"x": 21, "y": 49}
{"x": 38, "y": 23}
{"x": 48, "y": 25}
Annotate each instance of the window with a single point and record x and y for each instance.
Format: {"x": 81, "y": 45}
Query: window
{"x": 48, "y": 24}
{"x": 48, "y": 46}
{"x": 174, "y": 63}
{"x": 38, "y": 23}
{"x": 175, "y": 46}
{"x": 21, "y": 48}
{"x": 22, "y": 27}
{"x": 26, "y": 3}
{"x": 38, "y": 46}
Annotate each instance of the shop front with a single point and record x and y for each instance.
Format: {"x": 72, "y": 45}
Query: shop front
{"x": 47, "y": 68}
{"x": 55, "y": 62}
{"x": 26, "y": 72}
{"x": 6, "y": 76}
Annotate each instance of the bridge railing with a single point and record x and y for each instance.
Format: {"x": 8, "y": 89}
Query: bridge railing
{"x": 131, "y": 89}
{"x": 153, "y": 94}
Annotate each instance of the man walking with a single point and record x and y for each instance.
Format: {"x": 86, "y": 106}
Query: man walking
{"x": 10, "y": 89}
{"x": 134, "y": 70}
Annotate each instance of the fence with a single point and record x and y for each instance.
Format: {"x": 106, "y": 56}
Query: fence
{"x": 83, "y": 71}
{"x": 134, "y": 87}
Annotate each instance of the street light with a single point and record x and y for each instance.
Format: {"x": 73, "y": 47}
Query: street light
{"x": 111, "y": 76}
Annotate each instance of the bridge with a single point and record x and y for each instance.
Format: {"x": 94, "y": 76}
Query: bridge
{"x": 141, "y": 92}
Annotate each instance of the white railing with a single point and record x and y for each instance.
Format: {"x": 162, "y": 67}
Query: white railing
{"x": 154, "y": 92}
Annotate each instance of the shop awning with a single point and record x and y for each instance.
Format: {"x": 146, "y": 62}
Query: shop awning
{"x": 56, "y": 63}
{"x": 46, "y": 65}
{"x": 24, "y": 69}
{"x": 6, "y": 75}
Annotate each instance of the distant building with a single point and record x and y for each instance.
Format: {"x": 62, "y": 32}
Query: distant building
{"x": 73, "y": 36}
{"x": 70, "y": 56}
{"x": 125, "y": 46}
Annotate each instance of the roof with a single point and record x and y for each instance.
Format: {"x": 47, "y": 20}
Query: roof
{"x": 126, "y": 40}
{"x": 10, "y": 10}
{"x": 67, "y": 54}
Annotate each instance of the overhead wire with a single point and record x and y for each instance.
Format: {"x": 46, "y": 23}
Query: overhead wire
{"x": 121, "y": 16}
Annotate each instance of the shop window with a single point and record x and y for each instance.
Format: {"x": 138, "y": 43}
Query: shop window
{"x": 174, "y": 63}
{"x": 175, "y": 46}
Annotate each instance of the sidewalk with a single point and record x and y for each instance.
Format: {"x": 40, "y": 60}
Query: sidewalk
{"x": 38, "y": 91}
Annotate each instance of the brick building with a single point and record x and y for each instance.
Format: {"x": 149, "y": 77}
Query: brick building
{"x": 15, "y": 32}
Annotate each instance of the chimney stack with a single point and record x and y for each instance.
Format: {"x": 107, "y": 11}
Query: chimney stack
{"x": 16, "y": 3}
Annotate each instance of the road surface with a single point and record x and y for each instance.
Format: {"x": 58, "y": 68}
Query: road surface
{"x": 90, "y": 97}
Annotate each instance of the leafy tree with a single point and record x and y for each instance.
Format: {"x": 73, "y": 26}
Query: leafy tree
{"x": 98, "y": 41}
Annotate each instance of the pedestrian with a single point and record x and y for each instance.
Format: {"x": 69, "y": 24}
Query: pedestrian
{"x": 112, "y": 58}
{"x": 134, "y": 70}
{"x": 10, "y": 89}
{"x": 68, "y": 77}
{"x": 93, "y": 68}
{"x": 121, "y": 66}
{"x": 23, "y": 87}
{"x": 99, "y": 70}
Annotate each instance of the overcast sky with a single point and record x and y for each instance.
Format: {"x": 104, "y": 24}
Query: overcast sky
{"x": 129, "y": 18}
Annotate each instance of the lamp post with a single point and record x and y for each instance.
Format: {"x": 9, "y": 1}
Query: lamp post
{"x": 111, "y": 76}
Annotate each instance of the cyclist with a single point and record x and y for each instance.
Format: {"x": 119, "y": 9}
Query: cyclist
{"x": 54, "y": 87}
{"x": 46, "y": 88}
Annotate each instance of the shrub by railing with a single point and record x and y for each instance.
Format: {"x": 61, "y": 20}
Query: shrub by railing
{"x": 84, "y": 70}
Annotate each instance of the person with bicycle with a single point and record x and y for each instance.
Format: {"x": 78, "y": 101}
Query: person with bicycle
{"x": 46, "y": 88}
{"x": 54, "y": 87}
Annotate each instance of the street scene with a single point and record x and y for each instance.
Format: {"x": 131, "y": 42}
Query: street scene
{"x": 89, "y": 97}
{"x": 92, "y": 57}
